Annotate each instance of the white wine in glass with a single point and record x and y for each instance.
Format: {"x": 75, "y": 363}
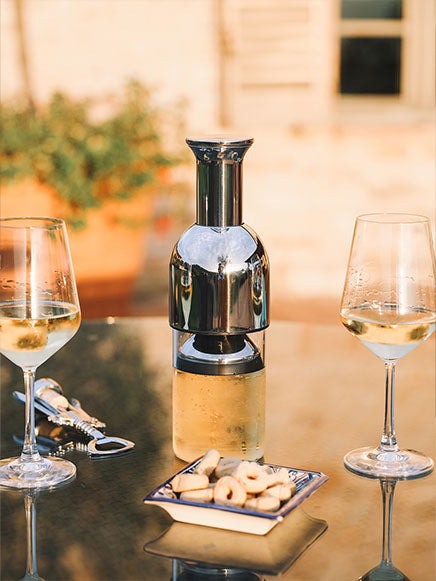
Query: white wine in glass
{"x": 39, "y": 313}
{"x": 389, "y": 304}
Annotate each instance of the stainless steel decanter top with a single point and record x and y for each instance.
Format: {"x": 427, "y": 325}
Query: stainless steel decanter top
{"x": 219, "y": 180}
{"x": 219, "y": 270}
{"x": 219, "y": 308}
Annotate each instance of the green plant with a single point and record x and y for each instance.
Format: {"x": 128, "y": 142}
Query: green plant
{"x": 86, "y": 162}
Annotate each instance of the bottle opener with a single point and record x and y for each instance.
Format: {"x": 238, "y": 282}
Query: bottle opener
{"x": 50, "y": 400}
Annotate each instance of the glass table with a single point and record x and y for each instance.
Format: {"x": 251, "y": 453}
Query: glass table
{"x": 324, "y": 397}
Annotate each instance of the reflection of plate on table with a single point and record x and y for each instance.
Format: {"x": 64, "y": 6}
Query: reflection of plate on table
{"x": 270, "y": 554}
{"x": 233, "y": 518}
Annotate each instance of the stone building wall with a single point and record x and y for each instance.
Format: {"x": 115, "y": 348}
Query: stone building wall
{"x": 304, "y": 182}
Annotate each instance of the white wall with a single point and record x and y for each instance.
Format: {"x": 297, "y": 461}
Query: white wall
{"x": 91, "y": 47}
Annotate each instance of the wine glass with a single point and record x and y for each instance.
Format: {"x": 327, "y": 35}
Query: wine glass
{"x": 39, "y": 313}
{"x": 389, "y": 304}
{"x": 385, "y": 570}
{"x": 30, "y": 509}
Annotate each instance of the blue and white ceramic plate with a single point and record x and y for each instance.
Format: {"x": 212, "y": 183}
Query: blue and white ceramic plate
{"x": 233, "y": 518}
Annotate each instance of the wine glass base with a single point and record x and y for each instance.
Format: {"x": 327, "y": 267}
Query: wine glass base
{"x": 43, "y": 474}
{"x": 384, "y": 572}
{"x": 377, "y": 463}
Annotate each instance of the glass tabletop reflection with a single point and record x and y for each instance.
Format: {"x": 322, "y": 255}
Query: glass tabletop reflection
{"x": 323, "y": 398}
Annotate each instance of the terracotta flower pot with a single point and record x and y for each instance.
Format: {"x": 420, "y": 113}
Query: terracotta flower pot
{"x": 107, "y": 255}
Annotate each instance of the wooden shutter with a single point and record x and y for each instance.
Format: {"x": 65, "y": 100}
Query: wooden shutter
{"x": 278, "y": 57}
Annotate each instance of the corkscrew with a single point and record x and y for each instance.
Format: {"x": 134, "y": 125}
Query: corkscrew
{"x": 50, "y": 401}
{"x": 55, "y": 440}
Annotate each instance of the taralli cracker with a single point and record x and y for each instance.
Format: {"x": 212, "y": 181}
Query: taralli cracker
{"x": 252, "y": 477}
{"x": 267, "y": 469}
{"x": 281, "y": 491}
{"x": 226, "y": 467}
{"x": 184, "y": 482}
{"x": 262, "y": 503}
{"x": 279, "y": 477}
{"x": 229, "y": 492}
{"x": 203, "y": 495}
{"x": 208, "y": 463}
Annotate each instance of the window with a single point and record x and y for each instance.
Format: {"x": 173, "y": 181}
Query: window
{"x": 391, "y": 9}
{"x": 370, "y": 47}
{"x": 370, "y": 65}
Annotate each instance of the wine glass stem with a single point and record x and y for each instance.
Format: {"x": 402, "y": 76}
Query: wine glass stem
{"x": 389, "y": 440}
{"x": 388, "y": 496}
{"x": 29, "y": 505}
{"x": 30, "y": 450}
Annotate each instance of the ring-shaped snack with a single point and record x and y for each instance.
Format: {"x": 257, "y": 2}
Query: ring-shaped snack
{"x": 208, "y": 463}
{"x": 226, "y": 466}
{"x": 252, "y": 477}
{"x": 202, "y": 495}
{"x": 229, "y": 492}
{"x": 281, "y": 491}
{"x": 184, "y": 482}
{"x": 279, "y": 477}
{"x": 263, "y": 503}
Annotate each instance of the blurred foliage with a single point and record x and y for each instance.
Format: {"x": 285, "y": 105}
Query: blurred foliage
{"x": 87, "y": 162}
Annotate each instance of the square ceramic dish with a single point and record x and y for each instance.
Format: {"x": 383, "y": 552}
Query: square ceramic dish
{"x": 233, "y": 518}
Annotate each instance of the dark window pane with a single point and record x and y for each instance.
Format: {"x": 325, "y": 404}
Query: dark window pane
{"x": 371, "y": 8}
{"x": 370, "y": 65}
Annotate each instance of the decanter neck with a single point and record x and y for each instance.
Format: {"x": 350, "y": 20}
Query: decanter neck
{"x": 219, "y": 179}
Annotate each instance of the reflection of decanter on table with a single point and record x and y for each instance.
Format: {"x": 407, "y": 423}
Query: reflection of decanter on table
{"x": 386, "y": 571}
{"x": 183, "y": 571}
{"x": 30, "y": 509}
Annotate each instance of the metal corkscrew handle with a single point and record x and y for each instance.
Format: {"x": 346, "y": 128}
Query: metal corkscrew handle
{"x": 99, "y": 439}
{"x": 73, "y": 416}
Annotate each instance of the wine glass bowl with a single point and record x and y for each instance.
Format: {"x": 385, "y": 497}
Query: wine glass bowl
{"x": 39, "y": 313}
{"x": 388, "y": 303}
